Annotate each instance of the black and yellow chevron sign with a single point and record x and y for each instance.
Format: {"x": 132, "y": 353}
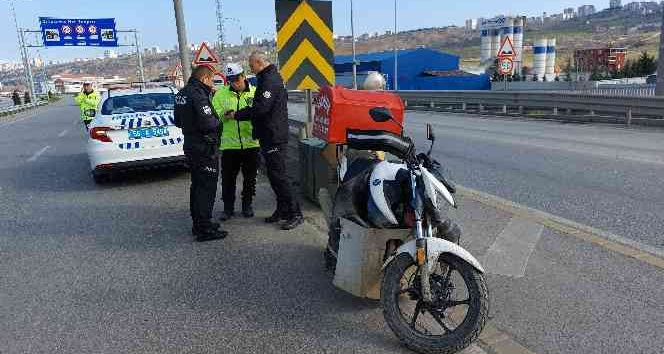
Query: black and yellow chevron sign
{"x": 305, "y": 43}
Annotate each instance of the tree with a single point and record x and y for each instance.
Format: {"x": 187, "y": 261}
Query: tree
{"x": 568, "y": 70}
{"x": 646, "y": 64}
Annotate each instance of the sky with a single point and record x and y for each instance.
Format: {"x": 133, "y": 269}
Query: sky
{"x": 155, "y": 18}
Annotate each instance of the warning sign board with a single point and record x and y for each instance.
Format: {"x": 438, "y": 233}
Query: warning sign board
{"x": 305, "y": 43}
{"x": 506, "y": 49}
{"x": 205, "y": 56}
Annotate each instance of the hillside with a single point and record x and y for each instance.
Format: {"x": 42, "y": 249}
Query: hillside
{"x": 609, "y": 27}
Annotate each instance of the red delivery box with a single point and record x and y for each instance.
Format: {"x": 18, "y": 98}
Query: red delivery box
{"x": 338, "y": 109}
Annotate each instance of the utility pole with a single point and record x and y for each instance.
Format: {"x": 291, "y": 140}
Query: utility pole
{"x": 23, "y": 52}
{"x": 141, "y": 71}
{"x": 220, "y": 30}
{"x": 182, "y": 40}
{"x": 659, "y": 89}
{"x": 352, "y": 34}
{"x": 396, "y": 43}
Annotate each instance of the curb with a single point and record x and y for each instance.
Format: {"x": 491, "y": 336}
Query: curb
{"x": 626, "y": 247}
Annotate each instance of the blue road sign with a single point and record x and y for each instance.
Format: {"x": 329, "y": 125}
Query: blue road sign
{"x": 58, "y": 32}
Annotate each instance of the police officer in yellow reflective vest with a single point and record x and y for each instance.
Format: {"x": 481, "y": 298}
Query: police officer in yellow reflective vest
{"x": 88, "y": 99}
{"x": 239, "y": 148}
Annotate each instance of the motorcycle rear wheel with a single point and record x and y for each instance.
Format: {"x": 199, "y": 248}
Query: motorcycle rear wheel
{"x": 400, "y": 290}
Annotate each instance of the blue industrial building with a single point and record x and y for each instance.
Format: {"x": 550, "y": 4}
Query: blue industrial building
{"x": 418, "y": 69}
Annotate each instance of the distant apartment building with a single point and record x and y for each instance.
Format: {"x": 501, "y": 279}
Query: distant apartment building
{"x": 615, "y": 4}
{"x": 110, "y": 54}
{"x": 643, "y": 7}
{"x": 534, "y": 21}
{"x": 38, "y": 62}
{"x": 586, "y": 10}
{"x": 601, "y": 60}
{"x": 251, "y": 40}
{"x": 569, "y": 14}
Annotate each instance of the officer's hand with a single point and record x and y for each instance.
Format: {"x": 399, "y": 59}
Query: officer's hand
{"x": 230, "y": 114}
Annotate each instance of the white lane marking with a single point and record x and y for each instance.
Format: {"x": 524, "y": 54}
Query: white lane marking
{"x": 38, "y": 153}
{"x": 510, "y": 253}
{"x": 64, "y": 132}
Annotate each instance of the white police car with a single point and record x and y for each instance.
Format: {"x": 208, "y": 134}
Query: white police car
{"x": 134, "y": 129}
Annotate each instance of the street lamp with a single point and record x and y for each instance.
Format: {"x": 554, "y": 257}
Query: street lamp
{"x": 396, "y": 43}
{"x": 352, "y": 34}
{"x": 182, "y": 40}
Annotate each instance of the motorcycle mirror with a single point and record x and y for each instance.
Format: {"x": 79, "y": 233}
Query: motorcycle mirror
{"x": 380, "y": 114}
{"x": 430, "y": 134}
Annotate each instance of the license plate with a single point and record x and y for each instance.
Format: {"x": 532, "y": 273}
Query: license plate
{"x": 145, "y": 133}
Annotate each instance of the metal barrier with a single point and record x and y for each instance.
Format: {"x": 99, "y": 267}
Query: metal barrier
{"x": 16, "y": 109}
{"x": 552, "y": 103}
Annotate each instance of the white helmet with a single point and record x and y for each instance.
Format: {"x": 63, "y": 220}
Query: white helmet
{"x": 232, "y": 70}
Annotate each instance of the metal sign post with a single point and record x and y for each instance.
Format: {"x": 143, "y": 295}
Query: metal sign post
{"x": 310, "y": 113}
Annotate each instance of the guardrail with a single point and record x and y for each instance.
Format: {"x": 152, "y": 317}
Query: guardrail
{"x": 16, "y": 109}
{"x": 567, "y": 106}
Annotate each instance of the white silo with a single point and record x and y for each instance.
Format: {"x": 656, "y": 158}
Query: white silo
{"x": 539, "y": 60}
{"x": 551, "y": 60}
{"x": 495, "y": 41}
{"x": 518, "y": 44}
{"x": 485, "y": 45}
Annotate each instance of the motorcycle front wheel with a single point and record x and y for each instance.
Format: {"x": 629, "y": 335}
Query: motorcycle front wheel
{"x": 455, "y": 317}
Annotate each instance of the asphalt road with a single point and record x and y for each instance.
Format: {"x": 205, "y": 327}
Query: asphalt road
{"x": 113, "y": 269}
{"x": 604, "y": 176}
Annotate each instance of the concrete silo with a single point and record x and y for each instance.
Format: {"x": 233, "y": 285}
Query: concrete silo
{"x": 518, "y": 45}
{"x": 495, "y": 41}
{"x": 485, "y": 45}
{"x": 539, "y": 59}
{"x": 551, "y": 60}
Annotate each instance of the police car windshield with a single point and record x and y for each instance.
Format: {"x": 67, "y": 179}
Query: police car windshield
{"x": 143, "y": 102}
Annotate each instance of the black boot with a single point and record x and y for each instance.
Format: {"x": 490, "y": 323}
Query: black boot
{"x": 208, "y": 234}
{"x": 293, "y": 221}
{"x": 277, "y": 216}
{"x": 226, "y": 215}
{"x": 247, "y": 210}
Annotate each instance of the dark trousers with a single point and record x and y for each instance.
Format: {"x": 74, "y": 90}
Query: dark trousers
{"x": 87, "y": 124}
{"x": 275, "y": 165}
{"x": 232, "y": 162}
{"x": 203, "y": 190}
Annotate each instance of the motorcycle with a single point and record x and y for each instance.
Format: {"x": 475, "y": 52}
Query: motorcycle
{"x": 433, "y": 292}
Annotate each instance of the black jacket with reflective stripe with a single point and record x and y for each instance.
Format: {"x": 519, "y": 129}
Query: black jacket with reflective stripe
{"x": 196, "y": 117}
{"x": 269, "y": 112}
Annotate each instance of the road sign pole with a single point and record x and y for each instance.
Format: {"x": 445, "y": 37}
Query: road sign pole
{"x": 182, "y": 40}
{"x": 659, "y": 88}
{"x": 310, "y": 113}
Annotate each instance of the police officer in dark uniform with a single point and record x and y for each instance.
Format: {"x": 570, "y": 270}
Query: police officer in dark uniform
{"x": 201, "y": 130}
{"x": 269, "y": 115}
